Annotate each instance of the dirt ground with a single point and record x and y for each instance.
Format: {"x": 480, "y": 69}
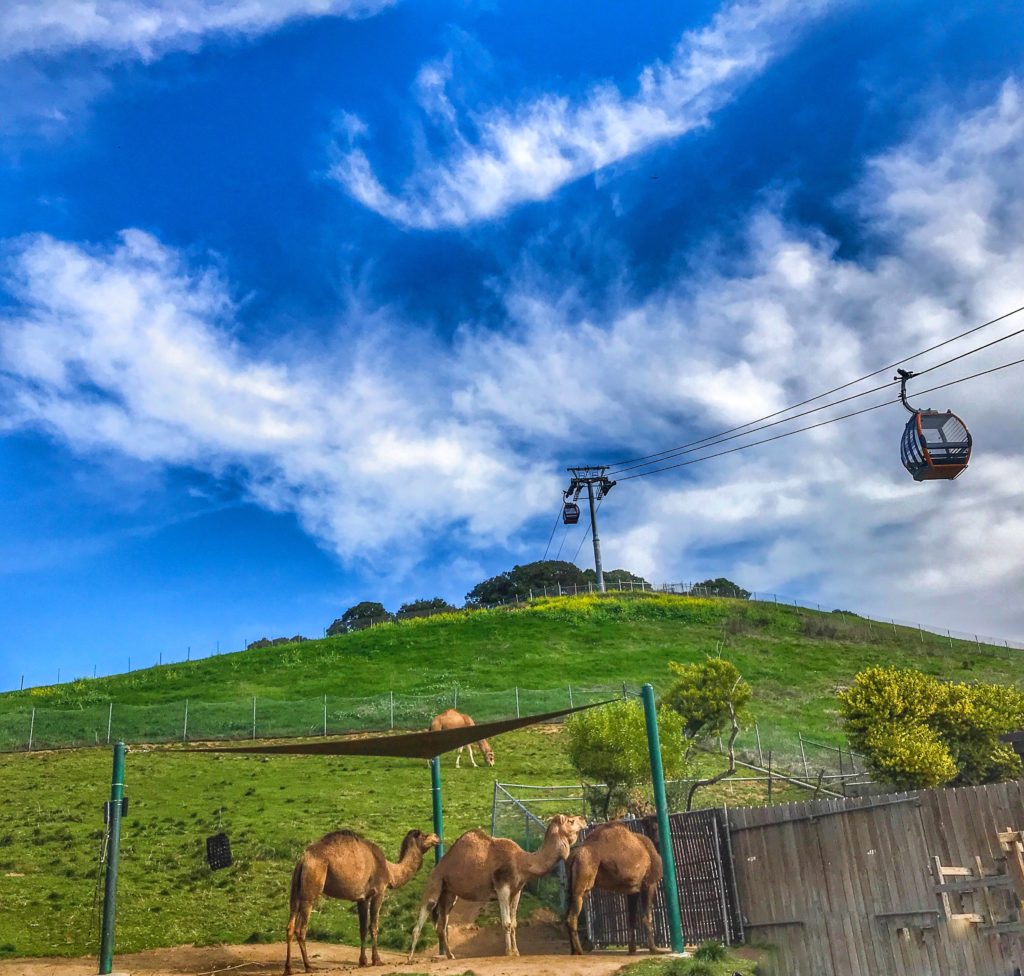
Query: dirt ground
{"x": 478, "y": 950}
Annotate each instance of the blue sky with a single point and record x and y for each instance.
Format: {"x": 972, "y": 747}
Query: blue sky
{"x": 304, "y": 302}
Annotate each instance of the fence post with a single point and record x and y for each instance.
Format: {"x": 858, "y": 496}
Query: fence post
{"x": 664, "y": 837}
{"x": 113, "y": 857}
{"x": 517, "y": 701}
{"x": 31, "y": 729}
{"x": 435, "y": 794}
{"x": 531, "y": 597}
{"x": 325, "y": 713}
{"x": 184, "y": 726}
{"x": 110, "y": 719}
{"x": 625, "y": 693}
{"x": 456, "y": 696}
{"x": 921, "y": 632}
{"x": 760, "y": 755}
{"x": 392, "y": 694}
{"x": 950, "y": 636}
{"x": 570, "y": 696}
{"x": 893, "y": 622}
{"x": 254, "y": 717}
{"x": 803, "y": 755}
{"x": 769, "y": 776}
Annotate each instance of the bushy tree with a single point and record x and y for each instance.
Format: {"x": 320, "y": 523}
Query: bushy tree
{"x": 520, "y": 580}
{"x": 917, "y": 731}
{"x": 706, "y": 694}
{"x": 433, "y": 605}
{"x": 723, "y": 587}
{"x": 357, "y": 617}
{"x": 613, "y": 577}
{"x": 709, "y": 697}
{"x": 608, "y": 746}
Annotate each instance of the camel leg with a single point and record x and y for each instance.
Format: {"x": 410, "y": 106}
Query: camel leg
{"x": 581, "y": 879}
{"x": 632, "y": 904}
{"x": 504, "y": 894}
{"x": 444, "y": 910}
{"x": 471, "y": 759}
{"x": 646, "y": 916}
{"x": 458, "y": 756}
{"x": 363, "y": 913}
{"x": 288, "y": 946}
{"x": 297, "y": 926}
{"x": 375, "y": 905}
{"x": 513, "y": 907}
{"x": 433, "y": 893}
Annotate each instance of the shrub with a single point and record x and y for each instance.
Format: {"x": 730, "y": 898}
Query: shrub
{"x": 917, "y": 731}
{"x": 609, "y": 746}
{"x": 702, "y": 694}
{"x": 710, "y": 951}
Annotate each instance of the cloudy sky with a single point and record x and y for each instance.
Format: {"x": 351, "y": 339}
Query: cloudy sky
{"x": 304, "y": 302}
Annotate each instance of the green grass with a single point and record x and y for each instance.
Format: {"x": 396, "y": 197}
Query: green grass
{"x": 794, "y": 659}
{"x": 733, "y": 962}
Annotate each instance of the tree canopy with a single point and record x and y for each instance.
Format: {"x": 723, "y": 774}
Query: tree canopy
{"x": 608, "y": 746}
{"x": 723, "y": 587}
{"x": 520, "y": 580}
{"x": 357, "y": 617}
{"x": 702, "y": 694}
{"x": 917, "y": 731}
{"x": 425, "y": 605}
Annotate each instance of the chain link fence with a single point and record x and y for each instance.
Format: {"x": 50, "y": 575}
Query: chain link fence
{"x": 268, "y": 718}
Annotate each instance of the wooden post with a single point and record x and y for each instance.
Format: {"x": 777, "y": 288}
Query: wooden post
{"x": 769, "y": 776}
{"x": 803, "y": 755}
{"x": 760, "y": 755}
{"x": 184, "y": 726}
{"x": 31, "y": 729}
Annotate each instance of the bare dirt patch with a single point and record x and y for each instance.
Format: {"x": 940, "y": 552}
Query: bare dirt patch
{"x": 479, "y": 951}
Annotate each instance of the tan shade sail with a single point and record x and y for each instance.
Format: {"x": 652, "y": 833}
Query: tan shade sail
{"x": 406, "y": 745}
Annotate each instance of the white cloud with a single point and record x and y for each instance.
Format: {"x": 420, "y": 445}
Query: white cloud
{"x": 131, "y": 349}
{"x": 148, "y": 28}
{"x": 529, "y": 152}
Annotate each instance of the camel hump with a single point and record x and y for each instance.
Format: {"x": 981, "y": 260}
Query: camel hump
{"x": 450, "y": 719}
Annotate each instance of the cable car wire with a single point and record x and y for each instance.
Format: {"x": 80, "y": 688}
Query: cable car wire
{"x": 554, "y": 528}
{"x": 684, "y": 449}
{"x": 821, "y": 423}
{"x": 663, "y": 455}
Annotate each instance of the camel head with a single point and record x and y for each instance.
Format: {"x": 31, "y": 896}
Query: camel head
{"x": 488, "y": 752}
{"x": 423, "y": 842}
{"x": 566, "y": 828}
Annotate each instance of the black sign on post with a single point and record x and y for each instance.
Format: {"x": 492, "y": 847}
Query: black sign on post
{"x": 218, "y": 851}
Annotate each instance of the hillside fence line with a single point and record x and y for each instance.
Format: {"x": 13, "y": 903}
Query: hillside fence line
{"x": 268, "y": 718}
{"x": 853, "y": 624}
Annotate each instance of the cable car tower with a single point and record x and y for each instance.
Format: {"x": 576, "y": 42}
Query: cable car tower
{"x": 589, "y": 478}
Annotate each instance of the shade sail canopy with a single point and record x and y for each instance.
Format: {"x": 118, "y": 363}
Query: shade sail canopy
{"x": 405, "y": 745}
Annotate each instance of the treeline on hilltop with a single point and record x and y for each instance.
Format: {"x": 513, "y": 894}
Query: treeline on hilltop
{"x": 516, "y": 584}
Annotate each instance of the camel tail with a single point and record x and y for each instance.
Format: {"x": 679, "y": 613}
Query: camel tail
{"x": 296, "y": 887}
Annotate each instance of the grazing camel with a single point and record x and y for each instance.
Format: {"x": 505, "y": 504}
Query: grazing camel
{"x": 345, "y": 865}
{"x": 479, "y": 867}
{"x": 613, "y": 858}
{"x": 451, "y": 719}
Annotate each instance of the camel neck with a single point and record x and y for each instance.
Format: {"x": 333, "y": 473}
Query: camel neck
{"x": 400, "y": 873}
{"x": 553, "y": 850}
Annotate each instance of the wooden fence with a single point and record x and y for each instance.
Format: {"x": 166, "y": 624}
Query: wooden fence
{"x": 916, "y": 884}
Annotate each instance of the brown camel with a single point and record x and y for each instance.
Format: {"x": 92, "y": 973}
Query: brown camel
{"x": 613, "y": 858}
{"x": 451, "y": 719}
{"x": 345, "y": 865}
{"x": 479, "y": 867}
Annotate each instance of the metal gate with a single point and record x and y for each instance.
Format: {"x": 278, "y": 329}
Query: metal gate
{"x": 704, "y": 873}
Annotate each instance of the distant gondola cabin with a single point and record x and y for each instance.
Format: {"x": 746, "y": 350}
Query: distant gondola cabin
{"x": 571, "y": 513}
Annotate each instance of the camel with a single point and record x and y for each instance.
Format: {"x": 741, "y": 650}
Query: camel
{"x": 344, "y": 865}
{"x": 613, "y": 858}
{"x": 479, "y": 867}
{"x": 451, "y": 719}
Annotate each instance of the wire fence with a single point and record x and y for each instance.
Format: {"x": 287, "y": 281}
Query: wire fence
{"x": 268, "y": 718}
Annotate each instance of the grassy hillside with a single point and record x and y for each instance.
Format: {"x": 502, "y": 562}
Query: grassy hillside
{"x": 794, "y": 659}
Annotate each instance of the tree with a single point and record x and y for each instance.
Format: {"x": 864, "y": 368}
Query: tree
{"x": 608, "y": 747}
{"x": 615, "y": 577}
{"x": 709, "y": 696}
{"x": 918, "y": 732}
{"x": 520, "y": 580}
{"x": 357, "y": 617}
{"x": 722, "y": 587}
{"x": 424, "y": 606}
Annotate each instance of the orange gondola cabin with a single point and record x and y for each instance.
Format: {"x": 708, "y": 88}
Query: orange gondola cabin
{"x": 936, "y": 445}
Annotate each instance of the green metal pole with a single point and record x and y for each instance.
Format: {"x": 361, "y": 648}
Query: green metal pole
{"x": 435, "y": 789}
{"x": 113, "y": 852}
{"x": 664, "y": 837}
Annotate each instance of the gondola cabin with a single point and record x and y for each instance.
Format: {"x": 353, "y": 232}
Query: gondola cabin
{"x": 570, "y": 513}
{"x": 936, "y": 446}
